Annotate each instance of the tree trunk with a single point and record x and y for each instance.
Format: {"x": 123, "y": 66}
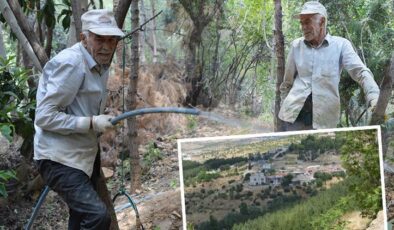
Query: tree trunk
{"x": 39, "y": 26}
{"x": 280, "y": 55}
{"x": 200, "y": 19}
{"x": 3, "y": 53}
{"x": 48, "y": 46}
{"x": 215, "y": 58}
{"x": 28, "y": 32}
{"x": 384, "y": 96}
{"x": 154, "y": 43}
{"x": 71, "y": 39}
{"x": 12, "y": 22}
{"x": 77, "y": 12}
{"x": 120, "y": 8}
{"x": 73, "y": 36}
{"x": 132, "y": 103}
{"x": 121, "y": 11}
{"x": 143, "y": 34}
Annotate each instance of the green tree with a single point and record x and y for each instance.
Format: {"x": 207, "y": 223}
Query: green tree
{"x": 243, "y": 209}
{"x": 287, "y": 180}
{"x": 360, "y": 156}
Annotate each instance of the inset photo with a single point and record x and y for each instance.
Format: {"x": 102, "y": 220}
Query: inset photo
{"x": 319, "y": 179}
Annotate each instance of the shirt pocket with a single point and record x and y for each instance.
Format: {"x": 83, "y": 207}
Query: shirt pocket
{"x": 329, "y": 67}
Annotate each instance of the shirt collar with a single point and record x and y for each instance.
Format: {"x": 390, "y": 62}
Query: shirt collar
{"x": 89, "y": 59}
{"x": 326, "y": 41}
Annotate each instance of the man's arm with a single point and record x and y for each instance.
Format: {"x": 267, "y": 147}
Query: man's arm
{"x": 359, "y": 72}
{"x": 288, "y": 78}
{"x": 64, "y": 81}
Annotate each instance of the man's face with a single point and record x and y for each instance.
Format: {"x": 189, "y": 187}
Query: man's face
{"x": 312, "y": 25}
{"x": 100, "y": 47}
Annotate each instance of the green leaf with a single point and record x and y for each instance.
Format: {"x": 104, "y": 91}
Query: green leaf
{"x": 66, "y": 22}
{"x": 6, "y": 131}
{"x": 3, "y": 192}
{"x": 7, "y": 174}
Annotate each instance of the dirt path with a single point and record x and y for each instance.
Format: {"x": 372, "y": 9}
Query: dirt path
{"x": 162, "y": 211}
{"x": 355, "y": 221}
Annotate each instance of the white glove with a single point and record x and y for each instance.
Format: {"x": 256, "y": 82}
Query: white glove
{"x": 101, "y": 123}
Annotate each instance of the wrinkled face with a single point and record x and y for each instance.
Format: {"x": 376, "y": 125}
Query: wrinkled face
{"x": 312, "y": 26}
{"x": 100, "y": 47}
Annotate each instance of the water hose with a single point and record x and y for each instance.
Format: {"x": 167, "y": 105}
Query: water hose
{"x": 41, "y": 199}
{"x": 114, "y": 121}
{"x": 142, "y": 111}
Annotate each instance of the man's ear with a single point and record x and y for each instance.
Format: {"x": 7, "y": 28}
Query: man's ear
{"x": 322, "y": 21}
{"x": 83, "y": 38}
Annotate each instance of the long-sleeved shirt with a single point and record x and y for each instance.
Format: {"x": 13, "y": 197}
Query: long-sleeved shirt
{"x": 70, "y": 91}
{"x": 317, "y": 71}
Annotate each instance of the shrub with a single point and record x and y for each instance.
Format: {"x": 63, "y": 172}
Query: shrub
{"x": 5, "y": 175}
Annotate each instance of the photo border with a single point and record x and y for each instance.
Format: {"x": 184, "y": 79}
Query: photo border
{"x": 201, "y": 139}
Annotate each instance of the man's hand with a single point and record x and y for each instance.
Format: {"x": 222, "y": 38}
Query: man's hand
{"x": 101, "y": 123}
{"x": 372, "y": 104}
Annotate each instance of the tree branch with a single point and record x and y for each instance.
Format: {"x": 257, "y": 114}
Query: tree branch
{"x": 77, "y": 12}
{"x": 121, "y": 12}
{"x": 28, "y": 32}
{"x": 12, "y": 22}
{"x": 384, "y": 96}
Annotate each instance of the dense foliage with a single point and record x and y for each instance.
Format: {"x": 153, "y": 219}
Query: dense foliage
{"x": 304, "y": 215}
{"x": 360, "y": 156}
{"x": 17, "y": 100}
{"x": 200, "y": 172}
{"x": 246, "y": 213}
{"x": 312, "y": 146}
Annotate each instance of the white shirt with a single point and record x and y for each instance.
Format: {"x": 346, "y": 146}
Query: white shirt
{"x": 317, "y": 71}
{"x": 70, "y": 91}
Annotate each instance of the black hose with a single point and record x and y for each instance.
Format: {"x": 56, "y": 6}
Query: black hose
{"x": 41, "y": 199}
{"x": 142, "y": 111}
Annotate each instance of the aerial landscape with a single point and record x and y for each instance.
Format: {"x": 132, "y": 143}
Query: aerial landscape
{"x": 304, "y": 181}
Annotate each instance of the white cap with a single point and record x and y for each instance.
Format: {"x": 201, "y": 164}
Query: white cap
{"x": 313, "y": 7}
{"x": 101, "y": 22}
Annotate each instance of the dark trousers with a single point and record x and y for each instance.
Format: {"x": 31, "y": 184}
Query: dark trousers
{"x": 304, "y": 119}
{"x": 87, "y": 210}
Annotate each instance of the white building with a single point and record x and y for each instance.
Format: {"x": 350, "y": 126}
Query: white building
{"x": 266, "y": 166}
{"x": 274, "y": 180}
{"x": 257, "y": 179}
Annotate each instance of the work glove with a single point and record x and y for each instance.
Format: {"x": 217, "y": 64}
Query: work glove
{"x": 102, "y": 123}
{"x": 372, "y": 104}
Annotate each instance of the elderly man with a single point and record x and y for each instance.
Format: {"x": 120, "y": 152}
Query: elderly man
{"x": 70, "y": 101}
{"x": 309, "y": 92}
